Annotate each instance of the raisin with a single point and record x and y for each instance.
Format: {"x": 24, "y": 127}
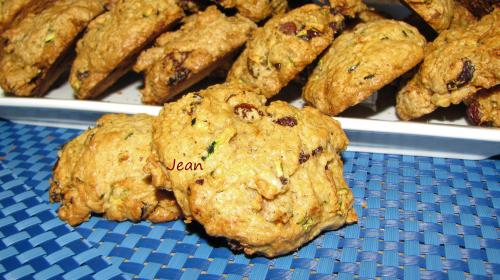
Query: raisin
{"x": 318, "y": 150}
{"x": 463, "y": 77}
{"x": 82, "y": 75}
{"x": 473, "y": 113}
{"x": 303, "y": 157}
{"x": 283, "y": 180}
{"x": 286, "y": 121}
{"x": 245, "y": 110}
{"x": 180, "y": 75}
{"x": 277, "y": 66}
{"x": 368, "y": 77}
{"x": 288, "y": 28}
{"x": 200, "y": 181}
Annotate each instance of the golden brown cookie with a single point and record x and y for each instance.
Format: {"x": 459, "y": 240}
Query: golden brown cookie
{"x": 283, "y": 47}
{"x": 113, "y": 41}
{"x": 362, "y": 61}
{"x": 437, "y": 13}
{"x": 255, "y": 10}
{"x": 37, "y": 49}
{"x": 484, "y": 109}
{"x": 460, "y": 62}
{"x": 182, "y": 58}
{"x": 269, "y": 177}
{"x": 101, "y": 171}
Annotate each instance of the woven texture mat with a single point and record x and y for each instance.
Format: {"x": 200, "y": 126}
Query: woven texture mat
{"x": 420, "y": 218}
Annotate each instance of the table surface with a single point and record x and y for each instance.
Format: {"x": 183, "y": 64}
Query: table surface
{"x": 425, "y": 218}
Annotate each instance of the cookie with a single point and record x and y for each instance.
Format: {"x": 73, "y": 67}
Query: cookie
{"x": 362, "y": 61}
{"x": 101, "y": 171}
{"x": 283, "y": 47}
{"x": 182, "y": 58}
{"x": 113, "y": 41}
{"x": 484, "y": 109}
{"x": 255, "y": 10}
{"x": 38, "y": 48}
{"x": 457, "y": 64}
{"x": 269, "y": 178}
{"x": 437, "y": 13}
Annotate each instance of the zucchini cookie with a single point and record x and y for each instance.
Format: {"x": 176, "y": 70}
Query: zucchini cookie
{"x": 362, "y": 61}
{"x": 255, "y": 10}
{"x": 113, "y": 40}
{"x": 437, "y": 13}
{"x": 37, "y": 49}
{"x": 283, "y": 47}
{"x": 180, "y": 59}
{"x": 460, "y": 62}
{"x": 101, "y": 171}
{"x": 485, "y": 108}
{"x": 269, "y": 177}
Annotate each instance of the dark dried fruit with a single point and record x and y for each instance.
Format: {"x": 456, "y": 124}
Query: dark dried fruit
{"x": 180, "y": 75}
{"x": 286, "y": 121}
{"x": 193, "y": 121}
{"x": 277, "y": 66}
{"x": 311, "y": 33}
{"x": 82, "y": 75}
{"x": 368, "y": 77}
{"x": 463, "y": 77}
{"x": 303, "y": 157}
{"x": 200, "y": 181}
{"x": 247, "y": 111}
{"x": 473, "y": 113}
{"x": 283, "y": 180}
{"x": 318, "y": 150}
{"x": 288, "y": 28}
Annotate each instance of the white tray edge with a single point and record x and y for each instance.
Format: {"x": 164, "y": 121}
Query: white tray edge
{"x": 407, "y": 138}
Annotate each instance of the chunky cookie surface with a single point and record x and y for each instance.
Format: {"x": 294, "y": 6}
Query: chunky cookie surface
{"x": 181, "y": 58}
{"x": 362, "y": 61}
{"x": 271, "y": 176}
{"x": 113, "y": 40}
{"x": 484, "y": 109}
{"x": 101, "y": 171}
{"x": 283, "y": 47}
{"x": 459, "y": 63}
{"x": 36, "y": 49}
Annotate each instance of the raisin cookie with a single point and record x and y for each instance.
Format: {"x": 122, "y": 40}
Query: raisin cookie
{"x": 283, "y": 47}
{"x": 181, "y": 58}
{"x": 270, "y": 177}
{"x": 255, "y": 10}
{"x": 101, "y": 171}
{"x": 362, "y": 61}
{"x": 113, "y": 41}
{"x": 37, "y": 49}
{"x": 485, "y": 108}
{"x": 460, "y": 62}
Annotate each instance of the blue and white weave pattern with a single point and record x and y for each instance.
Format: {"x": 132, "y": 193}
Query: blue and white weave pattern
{"x": 423, "y": 218}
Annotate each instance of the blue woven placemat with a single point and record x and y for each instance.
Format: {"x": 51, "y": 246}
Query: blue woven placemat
{"x": 423, "y": 218}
